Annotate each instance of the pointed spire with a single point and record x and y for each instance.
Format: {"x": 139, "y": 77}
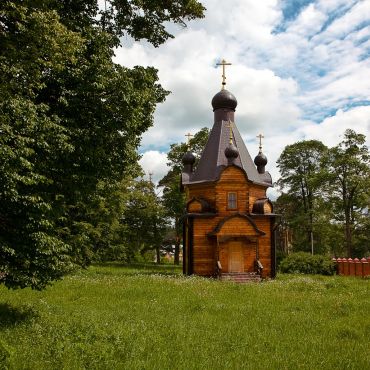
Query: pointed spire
{"x": 230, "y": 127}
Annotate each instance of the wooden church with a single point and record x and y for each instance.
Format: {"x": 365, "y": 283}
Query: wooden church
{"x": 229, "y": 221}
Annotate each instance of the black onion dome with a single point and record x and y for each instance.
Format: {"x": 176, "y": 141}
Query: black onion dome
{"x": 188, "y": 158}
{"x": 260, "y": 160}
{"x": 224, "y": 99}
{"x": 231, "y": 151}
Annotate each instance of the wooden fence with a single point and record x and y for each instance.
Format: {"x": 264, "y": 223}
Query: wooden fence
{"x": 353, "y": 267}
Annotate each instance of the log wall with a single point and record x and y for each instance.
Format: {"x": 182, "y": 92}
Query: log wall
{"x": 232, "y": 179}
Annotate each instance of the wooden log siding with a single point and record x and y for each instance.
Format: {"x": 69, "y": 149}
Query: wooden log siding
{"x": 267, "y": 208}
{"x": 256, "y": 192}
{"x": 264, "y": 244}
{"x": 237, "y": 226}
{"x": 233, "y": 180}
{"x": 195, "y": 207}
{"x": 204, "y": 248}
{"x": 202, "y": 191}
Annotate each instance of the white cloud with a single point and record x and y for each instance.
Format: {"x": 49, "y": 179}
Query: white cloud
{"x": 154, "y": 162}
{"x": 330, "y": 131}
{"x": 309, "y": 21}
{"x": 283, "y": 81}
{"x": 355, "y": 16}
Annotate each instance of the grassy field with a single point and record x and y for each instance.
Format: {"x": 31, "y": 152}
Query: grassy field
{"x": 116, "y": 317}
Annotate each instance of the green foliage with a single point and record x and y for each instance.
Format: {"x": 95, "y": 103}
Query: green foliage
{"x": 173, "y": 197}
{"x": 300, "y": 168}
{"x": 325, "y": 199}
{"x": 146, "y": 19}
{"x": 144, "y": 219}
{"x": 70, "y": 124}
{"x": 348, "y": 183}
{"x": 117, "y": 317}
{"x": 305, "y": 263}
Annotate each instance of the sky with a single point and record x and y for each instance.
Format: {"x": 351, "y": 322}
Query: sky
{"x": 300, "y": 70}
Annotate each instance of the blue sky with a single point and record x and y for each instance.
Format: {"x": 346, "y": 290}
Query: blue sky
{"x": 301, "y": 70}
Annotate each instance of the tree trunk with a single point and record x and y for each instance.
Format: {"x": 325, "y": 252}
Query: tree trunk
{"x": 311, "y": 237}
{"x": 348, "y": 235}
{"x": 158, "y": 255}
{"x": 177, "y": 250}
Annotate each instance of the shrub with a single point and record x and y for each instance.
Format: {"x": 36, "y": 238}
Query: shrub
{"x": 280, "y": 256}
{"x": 305, "y": 263}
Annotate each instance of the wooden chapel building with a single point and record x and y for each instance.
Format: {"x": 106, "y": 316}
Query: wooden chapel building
{"x": 229, "y": 221}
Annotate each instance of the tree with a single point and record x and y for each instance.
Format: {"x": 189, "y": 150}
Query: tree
{"x": 349, "y": 182}
{"x": 173, "y": 198}
{"x": 301, "y": 169}
{"x": 144, "y": 219}
{"x": 70, "y": 123}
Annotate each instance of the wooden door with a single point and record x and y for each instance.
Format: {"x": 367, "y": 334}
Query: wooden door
{"x": 236, "y": 257}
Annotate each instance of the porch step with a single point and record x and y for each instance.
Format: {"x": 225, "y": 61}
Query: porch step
{"x": 241, "y": 277}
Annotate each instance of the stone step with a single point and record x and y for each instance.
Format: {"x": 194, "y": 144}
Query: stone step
{"x": 243, "y": 277}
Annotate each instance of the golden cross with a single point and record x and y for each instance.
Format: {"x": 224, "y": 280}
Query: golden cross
{"x": 230, "y": 126}
{"x": 260, "y": 136}
{"x": 189, "y": 136}
{"x": 223, "y": 64}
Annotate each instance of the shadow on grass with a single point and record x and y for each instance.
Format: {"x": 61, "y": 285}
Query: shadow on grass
{"x": 12, "y": 316}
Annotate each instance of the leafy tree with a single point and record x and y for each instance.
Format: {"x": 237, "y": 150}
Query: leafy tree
{"x": 173, "y": 198}
{"x": 145, "y": 219}
{"x": 349, "y": 183}
{"x": 301, "y": 170}
{"x": 70, "y": 123}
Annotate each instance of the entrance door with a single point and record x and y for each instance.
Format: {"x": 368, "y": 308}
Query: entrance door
{"x": 236, "y": 260}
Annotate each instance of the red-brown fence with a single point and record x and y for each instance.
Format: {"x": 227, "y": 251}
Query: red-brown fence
{"x": 353, "y": 267}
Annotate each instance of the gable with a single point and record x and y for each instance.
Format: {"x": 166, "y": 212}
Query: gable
{"x": 198, "y": 205}
{"x": 232, "y": 174}
{"x": 195, "y": 206}
{"x": 237, "y": 224}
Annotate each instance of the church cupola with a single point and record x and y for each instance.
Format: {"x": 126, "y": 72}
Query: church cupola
{"x": 224, "y": 102}
{"x": 224, "y": 99}
{"x": 188, "y": 161}
{"x": 260, "y": 160}
{"x": 231, "y": 151}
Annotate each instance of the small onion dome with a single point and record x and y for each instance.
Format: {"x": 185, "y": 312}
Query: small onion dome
{"x": 260, "y": 160}
{"x": 188, "y": 158}
{"x": 231, "y": 152}
{"x": 224, "y": 99}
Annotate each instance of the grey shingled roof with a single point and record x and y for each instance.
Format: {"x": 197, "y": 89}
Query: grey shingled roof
{"x": 213, "y": 158}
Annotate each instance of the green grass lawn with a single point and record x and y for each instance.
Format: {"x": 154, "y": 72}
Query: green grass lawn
{"x": 148, "y": 317}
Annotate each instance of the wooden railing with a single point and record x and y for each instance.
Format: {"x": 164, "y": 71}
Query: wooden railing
{"x": 259, "y": 267}
{"x": 353, "y": 267}
{"x": 219, "y": 269}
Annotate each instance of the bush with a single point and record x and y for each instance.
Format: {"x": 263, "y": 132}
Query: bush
{"x": 305, "y": 263}
{"x": 280, "y": 256}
